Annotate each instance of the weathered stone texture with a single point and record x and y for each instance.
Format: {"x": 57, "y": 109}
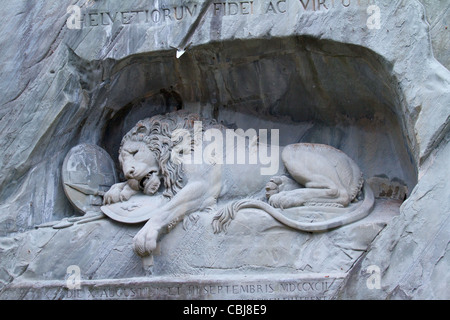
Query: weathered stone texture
{"x": 382, "y": 96}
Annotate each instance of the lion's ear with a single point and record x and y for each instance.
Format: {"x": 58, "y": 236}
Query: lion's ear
{"x": 141, "y": 129}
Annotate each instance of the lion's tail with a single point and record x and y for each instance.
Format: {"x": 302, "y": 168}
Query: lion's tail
{"x": 224, "y": 217}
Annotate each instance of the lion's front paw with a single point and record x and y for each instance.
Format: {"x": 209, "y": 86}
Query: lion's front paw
{"x": 113, "y": 194}
{"x": 119, "y": 192}
{"x": 127, "y": 193}
{"x": 145, "y": 242}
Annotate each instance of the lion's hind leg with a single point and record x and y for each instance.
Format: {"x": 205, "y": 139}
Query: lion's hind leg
{"x": 318, "y": 192}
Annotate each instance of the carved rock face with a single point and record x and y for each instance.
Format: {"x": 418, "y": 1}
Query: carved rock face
{"x": 312, "y": 68}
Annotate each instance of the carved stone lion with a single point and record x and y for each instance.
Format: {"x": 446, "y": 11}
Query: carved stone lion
{"x": 308, "y": 175}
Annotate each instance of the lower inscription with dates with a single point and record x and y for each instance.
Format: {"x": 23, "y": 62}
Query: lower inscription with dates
{"x": 270, "y": 287}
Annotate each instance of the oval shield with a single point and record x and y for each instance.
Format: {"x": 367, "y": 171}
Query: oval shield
{"x": 87, "y": 173}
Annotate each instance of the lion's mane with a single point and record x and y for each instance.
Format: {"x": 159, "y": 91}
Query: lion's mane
{"x": 157, "y": 132}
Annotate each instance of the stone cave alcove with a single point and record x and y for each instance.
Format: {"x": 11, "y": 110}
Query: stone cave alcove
{"x": 316, "y": 91}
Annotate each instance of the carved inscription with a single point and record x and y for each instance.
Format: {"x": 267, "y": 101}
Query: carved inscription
{"x": 307, "y": 289}
{"x": 280, "y": 286}
{"x": 234, "y": 8}
{"x": 319, "y": 5}
{"x": 139, "y": 16}
{"x": 162, "y": 15}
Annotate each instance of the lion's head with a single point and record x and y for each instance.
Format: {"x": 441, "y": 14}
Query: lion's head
{"x": 145, "y": 153}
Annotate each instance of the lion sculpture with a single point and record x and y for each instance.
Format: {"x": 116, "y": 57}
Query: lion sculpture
{"x": 308, "y": 175}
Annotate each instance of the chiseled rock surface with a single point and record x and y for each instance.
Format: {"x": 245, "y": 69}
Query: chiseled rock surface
{"x": 437, "y": 13}
{"x": 61, "y": 87}
{"x": 254, "y": 243}
{"x": 412, "y": 252}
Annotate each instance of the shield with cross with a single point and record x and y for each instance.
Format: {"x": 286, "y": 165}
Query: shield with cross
{"x": 87, "y": 173}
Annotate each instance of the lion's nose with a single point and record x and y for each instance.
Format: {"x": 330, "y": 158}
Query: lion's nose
{"x": 129, "y": 173}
